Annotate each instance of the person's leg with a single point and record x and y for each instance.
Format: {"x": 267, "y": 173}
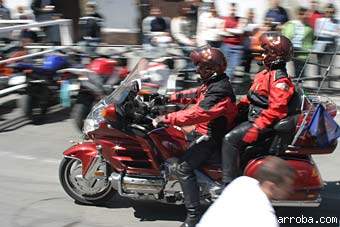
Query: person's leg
{"x": 248, "y": 59}
{"x": 247, "y": 54}
{"x": 215, "y": 44}
{"x": 226, "y": 52}
{"x": 198, "y": 153}
{"x": 231, "y": 146}
{"x": 235, "y": 55}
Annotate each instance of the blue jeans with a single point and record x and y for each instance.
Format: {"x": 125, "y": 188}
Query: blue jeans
{"x": 233, "y": 54}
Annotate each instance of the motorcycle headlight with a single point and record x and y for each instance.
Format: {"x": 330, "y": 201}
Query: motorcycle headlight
{"x": 94, "y": 118}
{"x": 90, "y": 125}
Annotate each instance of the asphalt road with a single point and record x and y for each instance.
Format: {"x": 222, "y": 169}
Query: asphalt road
{"x": 31, "y": 196}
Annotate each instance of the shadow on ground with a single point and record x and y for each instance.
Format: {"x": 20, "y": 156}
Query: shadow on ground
{"x": 330, "y": 208}
{"x": 7, "y": 107}
{"x": 56, "y": 114}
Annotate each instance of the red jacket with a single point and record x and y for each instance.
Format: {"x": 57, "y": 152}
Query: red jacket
{"x": 313, "y": 17}
{"x": 214, "y": 109}
{"x": 268, "y": 97}
{"x": 232, "y": 22}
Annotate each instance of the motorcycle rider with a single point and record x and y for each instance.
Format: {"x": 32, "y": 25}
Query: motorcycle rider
{"x": 212, "y": 115}
{"x": 265, "y": 104}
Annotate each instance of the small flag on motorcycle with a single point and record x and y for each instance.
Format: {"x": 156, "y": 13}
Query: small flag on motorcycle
{"x": 323, "y": 127}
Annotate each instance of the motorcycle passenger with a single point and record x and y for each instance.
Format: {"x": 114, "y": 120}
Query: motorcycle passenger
{"x": 212, "y": 114}
{"x": 265, "y": 104}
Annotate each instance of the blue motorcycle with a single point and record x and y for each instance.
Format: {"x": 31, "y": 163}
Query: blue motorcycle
{"x": 43, "y": 86}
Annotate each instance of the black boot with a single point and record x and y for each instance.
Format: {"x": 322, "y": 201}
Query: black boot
{"x": 230, "y": 160}
{"x": 193, "y": 217}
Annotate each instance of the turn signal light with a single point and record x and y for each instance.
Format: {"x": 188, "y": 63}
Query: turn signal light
{"x": 109, "y": 113}
{"x": 99, "y": 173}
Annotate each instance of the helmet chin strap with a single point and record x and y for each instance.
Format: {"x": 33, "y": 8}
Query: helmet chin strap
{"x": 214, "y": 75}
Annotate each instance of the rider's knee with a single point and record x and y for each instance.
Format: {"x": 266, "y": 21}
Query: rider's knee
{"x": 183, "y": 169}
{"x": 231, "y": 137}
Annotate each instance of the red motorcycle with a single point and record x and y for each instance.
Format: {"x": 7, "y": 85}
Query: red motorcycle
{"x": 125, "y": 154}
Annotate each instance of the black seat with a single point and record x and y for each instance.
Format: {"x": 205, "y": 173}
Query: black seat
{"x": 286, "y": 125}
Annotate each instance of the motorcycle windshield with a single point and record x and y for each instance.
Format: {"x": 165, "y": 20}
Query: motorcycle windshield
{"x": 152, "y": 77}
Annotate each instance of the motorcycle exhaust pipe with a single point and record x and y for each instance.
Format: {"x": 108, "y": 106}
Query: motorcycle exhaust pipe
{"x": 131, "y": 185}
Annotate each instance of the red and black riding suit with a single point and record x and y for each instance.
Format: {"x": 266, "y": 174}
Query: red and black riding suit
{"x": 213, "y": 115}
{"x": 267, "y": 102}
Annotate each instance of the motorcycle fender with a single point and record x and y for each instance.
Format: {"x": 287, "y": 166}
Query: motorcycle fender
{"x": 307, "y": 173}
{"x": 85, "y": 152}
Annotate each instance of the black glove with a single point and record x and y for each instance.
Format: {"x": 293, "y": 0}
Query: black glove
{"x": 242, "y": 115}
{"x": 160, "y": 100}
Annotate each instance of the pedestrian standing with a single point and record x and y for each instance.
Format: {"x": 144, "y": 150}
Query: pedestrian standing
{"x": 302, "y": 37}
{"x": 209, "y": 28}
{"x": 250, "y": 29}
{"x": 327, "y": 31}
{"x": 277, "y": 13}
{"x": 232, "y": 46}
{"x": 314, "y": 13}
{"x": 45, "y": 10}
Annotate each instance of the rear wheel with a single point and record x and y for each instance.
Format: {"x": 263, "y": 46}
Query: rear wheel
{"x": 81, "y": 190}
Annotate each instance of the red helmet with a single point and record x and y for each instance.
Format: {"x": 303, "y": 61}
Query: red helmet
{"x": 102, "y": 66}
{"x": 210, "y": 61}
{"x": 277, "y": 48}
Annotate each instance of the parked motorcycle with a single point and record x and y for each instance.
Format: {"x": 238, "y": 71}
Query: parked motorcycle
{"x": 94, "y": 82}
{"x": 125, "y": 154}
{"x": 43, "y": 87}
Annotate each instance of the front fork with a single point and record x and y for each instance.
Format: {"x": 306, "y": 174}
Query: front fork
{"x": 94, "y": 166}
{"x": 97, "y": 169}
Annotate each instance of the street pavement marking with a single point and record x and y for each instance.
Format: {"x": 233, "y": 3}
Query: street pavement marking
{"x": 25, "y": 157}
{"x": 28, "y": 157}
{"x": 3, "y": 153}
{"x": 52, "y": 161}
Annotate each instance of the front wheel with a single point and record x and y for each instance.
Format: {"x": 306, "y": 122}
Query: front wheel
{"x": 82, "y": 191}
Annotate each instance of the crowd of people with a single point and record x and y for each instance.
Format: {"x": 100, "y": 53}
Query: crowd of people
{"x": 45, "y": 10}
{"x": 312, "y": 29}
{"x": 197, "y": 24}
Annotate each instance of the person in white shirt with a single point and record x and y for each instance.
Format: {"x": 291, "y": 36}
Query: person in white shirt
{"x": 209, "y": 28}
{"x": 327, "y": 32}
{"x": 246, "y": 201}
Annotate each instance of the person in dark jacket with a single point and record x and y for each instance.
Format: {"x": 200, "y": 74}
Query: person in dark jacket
{"x": 212, "y": 114}
{"x": 45, "y": 10}
{"x": 277, "y": 13}
{"x": 265, "y": 104}
{"x": 91, "y": 23}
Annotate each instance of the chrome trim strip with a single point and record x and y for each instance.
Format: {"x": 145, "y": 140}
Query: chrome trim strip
{"x": 297, "y": 203}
